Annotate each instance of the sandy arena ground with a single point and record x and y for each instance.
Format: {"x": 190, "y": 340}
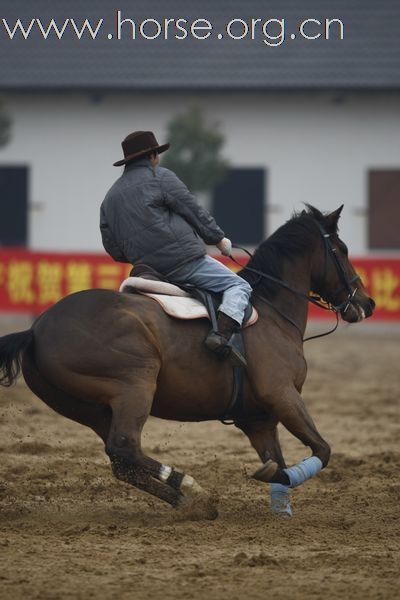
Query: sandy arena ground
{"x": 70, "y": 530}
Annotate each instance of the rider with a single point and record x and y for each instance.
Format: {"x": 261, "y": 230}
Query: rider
{"x": 150, "y": 217}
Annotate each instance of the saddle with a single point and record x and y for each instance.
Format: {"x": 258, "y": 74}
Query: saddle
{"x": 181, "y": 302}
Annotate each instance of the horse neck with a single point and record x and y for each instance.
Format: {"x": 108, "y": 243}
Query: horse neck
{"x": 297, "y": 274}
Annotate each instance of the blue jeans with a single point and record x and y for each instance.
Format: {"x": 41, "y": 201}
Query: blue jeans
{"x": 209, "y": 274}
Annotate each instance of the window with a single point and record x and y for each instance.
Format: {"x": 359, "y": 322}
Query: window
{"x": 13, "y": 206}
{"x": 384, "y": 209}
{"x": 239, "y": 205}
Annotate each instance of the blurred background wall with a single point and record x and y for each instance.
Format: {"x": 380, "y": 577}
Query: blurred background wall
{"x": 322, "y": 148}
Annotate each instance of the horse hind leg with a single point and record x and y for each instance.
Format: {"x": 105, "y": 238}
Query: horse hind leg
{"x": 101, "y": 418}
{"x": 130, "y": 411}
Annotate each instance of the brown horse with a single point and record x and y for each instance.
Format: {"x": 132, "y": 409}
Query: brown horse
{"x": 109, "y": 360}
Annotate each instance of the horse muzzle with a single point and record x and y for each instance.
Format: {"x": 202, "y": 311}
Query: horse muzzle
{"x": 360, "y": 307}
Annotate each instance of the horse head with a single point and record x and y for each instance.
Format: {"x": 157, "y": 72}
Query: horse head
{"x": 334, "y": 277}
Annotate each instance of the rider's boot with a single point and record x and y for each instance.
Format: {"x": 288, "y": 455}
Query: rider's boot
{"x": 219, "y": 341}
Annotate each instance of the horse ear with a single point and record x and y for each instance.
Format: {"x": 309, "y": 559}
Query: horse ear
{"x": 332, "y": 219}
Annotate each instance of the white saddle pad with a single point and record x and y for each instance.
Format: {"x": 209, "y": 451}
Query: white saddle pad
{"x": 175, "y": 302}
{"x": 140, "y": 284}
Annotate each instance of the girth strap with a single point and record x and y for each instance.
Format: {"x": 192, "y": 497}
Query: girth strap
{"x": 237, "y": 410}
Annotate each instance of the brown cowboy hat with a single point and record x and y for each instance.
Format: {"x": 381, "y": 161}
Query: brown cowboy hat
{"x": 137, "y": 144}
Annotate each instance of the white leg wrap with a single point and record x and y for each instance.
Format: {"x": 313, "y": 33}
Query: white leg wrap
{"x": 302, "y": 471}
{"x": 164, "y": 473}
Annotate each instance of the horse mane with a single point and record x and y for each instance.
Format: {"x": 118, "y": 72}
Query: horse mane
{"x": 293, "y": 239}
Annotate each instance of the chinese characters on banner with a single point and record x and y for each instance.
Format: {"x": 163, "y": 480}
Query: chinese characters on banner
{"x": 30, "y": 282}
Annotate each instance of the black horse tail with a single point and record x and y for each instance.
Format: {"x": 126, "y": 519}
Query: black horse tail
{"x": 11, "y": 347}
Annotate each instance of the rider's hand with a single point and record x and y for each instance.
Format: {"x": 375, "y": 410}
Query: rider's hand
{"x": 225, "y": 246}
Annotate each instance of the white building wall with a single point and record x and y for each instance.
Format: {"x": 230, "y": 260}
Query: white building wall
{"x": 316, "y": 149}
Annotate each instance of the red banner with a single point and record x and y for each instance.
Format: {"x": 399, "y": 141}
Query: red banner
{"x": 33, "y": 281}
{"x": 30, "y": 282}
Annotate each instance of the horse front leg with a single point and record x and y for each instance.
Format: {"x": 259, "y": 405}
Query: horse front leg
{"x": 291, "y": 411}
{"x": 264, "y": 438}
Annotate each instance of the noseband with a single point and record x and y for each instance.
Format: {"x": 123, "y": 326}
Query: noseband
{"x": 346, "y": 284}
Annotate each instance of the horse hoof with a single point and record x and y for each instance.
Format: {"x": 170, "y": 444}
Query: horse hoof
{"x": 266, "y": 471}
{"x": 190, "y": 487}
{"x": 195, "y": 503}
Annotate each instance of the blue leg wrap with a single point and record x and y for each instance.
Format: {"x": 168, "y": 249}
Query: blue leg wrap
{"x": 280, "y": 499}
{"x": 302, "y": 471}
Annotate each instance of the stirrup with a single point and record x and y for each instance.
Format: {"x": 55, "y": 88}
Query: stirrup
{"x": 223, "y": 348}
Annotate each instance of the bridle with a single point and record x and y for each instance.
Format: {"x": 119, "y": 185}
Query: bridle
{"x": 346, "y": 284}
{"x": 330, "y": 251}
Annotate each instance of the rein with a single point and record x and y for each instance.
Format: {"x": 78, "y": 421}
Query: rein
{"x": 346, "y": 284}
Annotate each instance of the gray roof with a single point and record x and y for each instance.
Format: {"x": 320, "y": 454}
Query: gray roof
{"x": 367, "y": 59}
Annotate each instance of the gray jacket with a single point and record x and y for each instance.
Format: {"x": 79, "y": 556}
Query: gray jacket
{"x": 149, "y": 216}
